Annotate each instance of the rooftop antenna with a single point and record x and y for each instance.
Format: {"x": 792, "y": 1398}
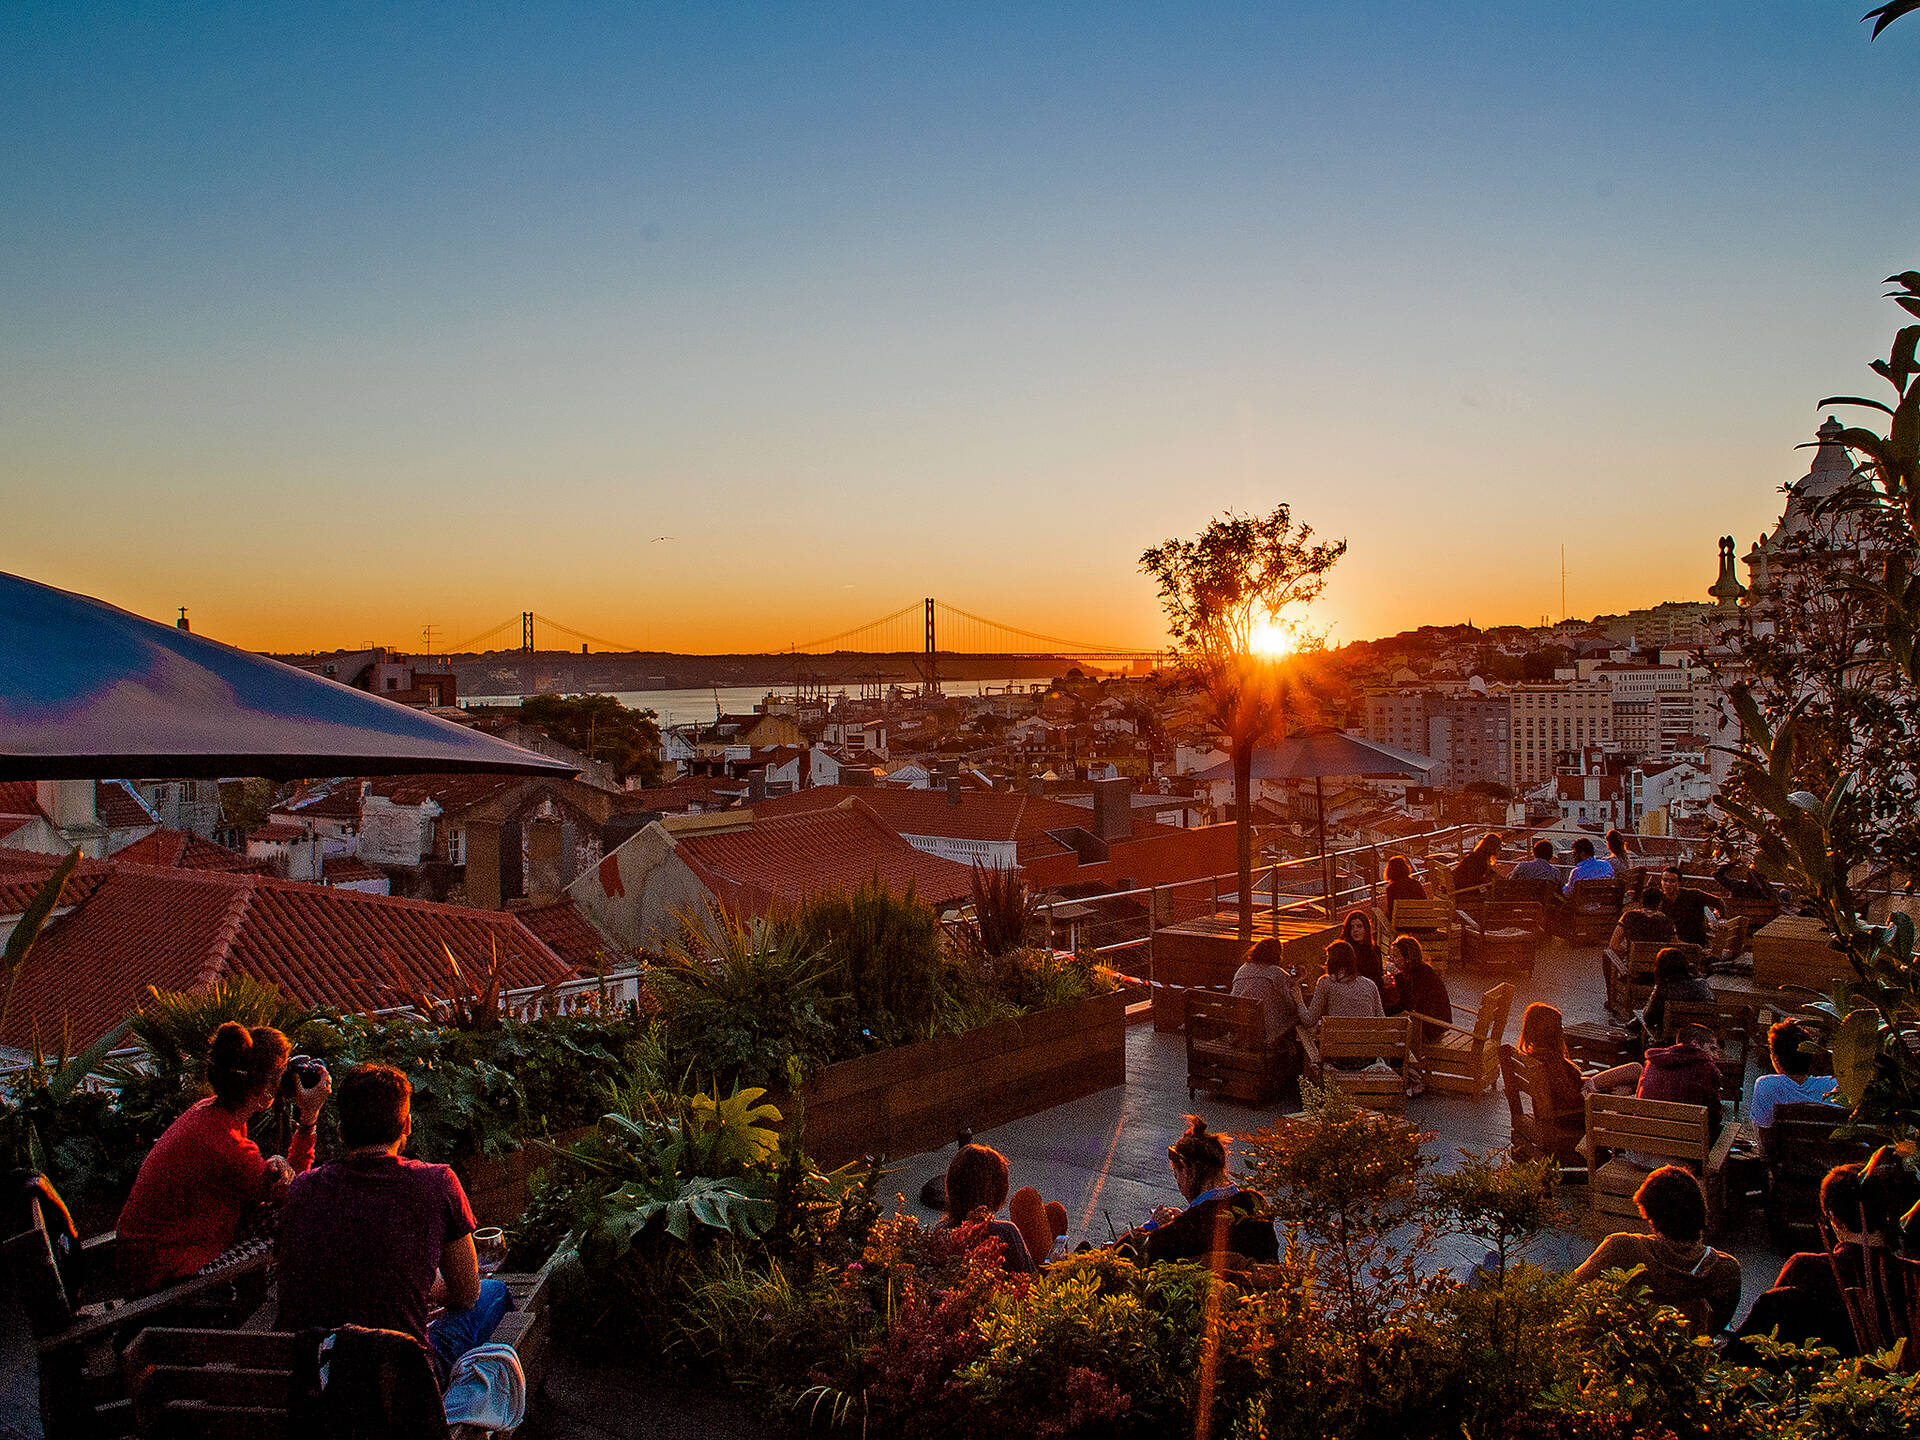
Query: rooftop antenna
{"x": 1563, "y": 582}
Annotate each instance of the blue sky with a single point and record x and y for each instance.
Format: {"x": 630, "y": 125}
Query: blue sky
{"x": 318, "y": 319}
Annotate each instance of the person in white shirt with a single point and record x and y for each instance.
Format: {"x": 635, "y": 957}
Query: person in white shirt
{"x": 1263, "y": 976}
{"x": 1794, "y": 1050}
{"x": 1343, "y": 990}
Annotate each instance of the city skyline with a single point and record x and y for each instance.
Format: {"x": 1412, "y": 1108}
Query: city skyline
{"x": 325, "y": 324}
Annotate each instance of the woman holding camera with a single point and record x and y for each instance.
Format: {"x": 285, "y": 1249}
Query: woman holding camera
{"x": 203, "y": 1176}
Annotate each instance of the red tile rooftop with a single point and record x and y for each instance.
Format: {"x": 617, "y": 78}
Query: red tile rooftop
{"x": 980, "y": 814}
{"x": 178, "y": 850}
{"x": 345, "y": 869}
{"x": 277, "y": 832}
{"x": 136, "y": 926}
{"x": 779, "y": 861}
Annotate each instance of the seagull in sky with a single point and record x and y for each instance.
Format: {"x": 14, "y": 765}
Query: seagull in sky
{"x": 658, "y": 538}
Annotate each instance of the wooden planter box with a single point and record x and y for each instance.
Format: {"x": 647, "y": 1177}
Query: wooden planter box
{"x": 497, "y": 1188}
{"x": 915, "y": 1097}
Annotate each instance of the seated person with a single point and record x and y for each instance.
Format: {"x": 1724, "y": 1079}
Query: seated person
{"x": 1357, "y": 931}
{"x": 1401, "y": 883}
{"x": 1219, "y": 1218}
{"x": 1673, "y": 979}
{"x": 1641, "y": 923}
{"x": 1343, "y": 990}
{"x": 1477, "y": 869}
{"x": 1540, "y": 867}
{"x": 1264, "y": 977}
{"x": 1543, "y": 1039}
{"x": 976, "y": 1189}
{"x": 1688, "y": 909}
{"x": 1681, "y": 1269}
{"x": 1793, "y": 1050}
{"x": 1617, "y": 858}
{"x": 1686, "y": 1072}
{"x": 1804, "y": 1306}
{"x": 1586, "y": 866}
{"x": 204, "y": 1175}
{"x": 1736, "y": 877}
{"x": 362, "y": 1237}
{"x": 1416, "y": 986}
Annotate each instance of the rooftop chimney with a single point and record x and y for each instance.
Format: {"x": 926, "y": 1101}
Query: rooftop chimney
{"x": 953, "y": 790}
{"x": 1113, "y": 809}
{"x": 1037, "y": 787}
{"x": 756, "y": 785}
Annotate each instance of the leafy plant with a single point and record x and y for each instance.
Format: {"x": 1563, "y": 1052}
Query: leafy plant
{"x": 1003, "y": 909}
{"x": 882, "y": 959}
{"x": 26, "y": 930}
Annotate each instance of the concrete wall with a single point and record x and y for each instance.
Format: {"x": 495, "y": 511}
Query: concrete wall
{"x": 635, "y": 894}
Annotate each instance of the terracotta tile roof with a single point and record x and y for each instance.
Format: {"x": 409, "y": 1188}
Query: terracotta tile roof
{"x": 277, "y": 832}
{"x": 19, "y": 797}
{"x": 344, "y": 869}
{"x": 23, "y": 872}
{"x": 778, "y": 862}
{"x": 142, "y": 925}
{"x": 119, "y": 808}
{"x": 451, "y": 793}
{"x": 569, "y": 934}
{"x": 179, "y": 850}
{"x": 995, "y": 815}
{"x": 342, "y": 803}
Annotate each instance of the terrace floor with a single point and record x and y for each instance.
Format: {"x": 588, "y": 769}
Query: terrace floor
{"x": 1104, "y": 1157}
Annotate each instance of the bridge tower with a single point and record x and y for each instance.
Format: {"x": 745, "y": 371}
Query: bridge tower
{"x": 526, "y": 652}
{"x": 933, "y": 660}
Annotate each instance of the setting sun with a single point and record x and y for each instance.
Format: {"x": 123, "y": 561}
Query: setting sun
{"x": 1269, "y": 638}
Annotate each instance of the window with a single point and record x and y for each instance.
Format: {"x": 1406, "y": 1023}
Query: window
{"x": 457, "y": 846}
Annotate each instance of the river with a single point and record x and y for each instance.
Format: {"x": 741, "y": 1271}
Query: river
{"x": 686, "y": 707}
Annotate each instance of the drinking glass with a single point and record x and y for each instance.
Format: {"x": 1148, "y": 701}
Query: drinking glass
{"x": 490, "y": 1246}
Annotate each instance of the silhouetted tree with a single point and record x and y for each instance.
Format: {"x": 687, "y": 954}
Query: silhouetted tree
{"x": 1241, "y": 573}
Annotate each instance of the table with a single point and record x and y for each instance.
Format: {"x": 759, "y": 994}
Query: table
{"x": 1203, "y": 953}
{"x": 1603, "y": 1045}
{"x": 1796, "y": 950}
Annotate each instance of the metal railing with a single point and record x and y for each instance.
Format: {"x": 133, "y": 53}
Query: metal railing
{"x": 1119, "y": 924}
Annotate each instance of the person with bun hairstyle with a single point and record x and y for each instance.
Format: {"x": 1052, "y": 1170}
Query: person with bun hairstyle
{"x": 1219, "y": 1218}
{"x": 204, "y": 1175}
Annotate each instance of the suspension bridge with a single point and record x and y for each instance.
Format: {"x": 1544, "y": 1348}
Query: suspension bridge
{"x": 926, "y": 629}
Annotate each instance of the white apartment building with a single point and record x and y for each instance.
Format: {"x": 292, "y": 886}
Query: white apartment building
{"x": 1547, "y": 719}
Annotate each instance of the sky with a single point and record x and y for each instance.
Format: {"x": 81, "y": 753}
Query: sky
{"x": 329, "y": 322}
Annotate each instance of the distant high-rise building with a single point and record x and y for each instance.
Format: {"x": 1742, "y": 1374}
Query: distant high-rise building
{"x": 1547, "y": 719}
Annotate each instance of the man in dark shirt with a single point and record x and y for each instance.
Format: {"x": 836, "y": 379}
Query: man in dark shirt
{"x": 1686, "y": 908}
{"x": 362, "y": 1237}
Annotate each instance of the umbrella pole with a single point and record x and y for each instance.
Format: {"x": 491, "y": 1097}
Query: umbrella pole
{"x": 1320, "y": 811}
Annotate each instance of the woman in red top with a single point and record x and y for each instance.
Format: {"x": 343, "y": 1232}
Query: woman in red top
{"x": 203, "y": 1176}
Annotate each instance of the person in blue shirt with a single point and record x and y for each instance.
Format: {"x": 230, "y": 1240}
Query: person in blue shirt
{"x": 1585, "y": 867}
{"x": 1540, "y": 867}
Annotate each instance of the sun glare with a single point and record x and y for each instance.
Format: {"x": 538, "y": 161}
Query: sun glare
{"x": 1269, "y": 638}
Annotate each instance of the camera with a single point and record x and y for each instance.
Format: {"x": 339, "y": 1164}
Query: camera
{"x": 302, "y": 1072}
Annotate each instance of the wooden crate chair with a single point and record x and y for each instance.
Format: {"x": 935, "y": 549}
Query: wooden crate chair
{"x": 1801, "y": 1149}
{"x": 1591, "y": 911}
{"x": 1661, "y": 1131}
{"x": 1430, "y": 922}
{"x": 1464, "y": 1059}
{"x": 1503, "y": 935}
{"x": 78, "y": 1340}
{"x": 1347, "y": 1038}
{"x": 1227, "y": 1051}
{"x": 1534, "y": 1126}
{"x": 1632, "y": 990}
{"x": 1732, "y": 1026}
{"x": 234, "y": 1384}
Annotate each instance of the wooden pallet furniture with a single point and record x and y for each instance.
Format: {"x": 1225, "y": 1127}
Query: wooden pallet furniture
{"x": 1591, "y": 911}
{"x": 1227, "y": 1051}
{"x": 78, "y": 1339}
{"x": 1633, "y": 989}
{"x": 1430, "y": 922}
{"x": 1534, "y": 1126}
{"x": 1464, "y": 1059}
{"x": 1203, "y": 952}
{"x": 1503, "y": 935}
{"x": 1732, "y": 1025}
{"x": 1800, "y": 1150}
{"x": 1629, "y": 1132}
{"x": 1362, "y": 1041}
{"x": 234, "y": 1384}
{"x": 1795, "y": 951}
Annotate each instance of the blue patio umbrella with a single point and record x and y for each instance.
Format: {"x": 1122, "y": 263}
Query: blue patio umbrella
{"x": 1315, "y": 753}
{"x": 90, "y": 691}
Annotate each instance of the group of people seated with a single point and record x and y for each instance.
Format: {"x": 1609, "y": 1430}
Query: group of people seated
{"x": 372, "y": 1238}
{"x": 1355, "y": 984}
